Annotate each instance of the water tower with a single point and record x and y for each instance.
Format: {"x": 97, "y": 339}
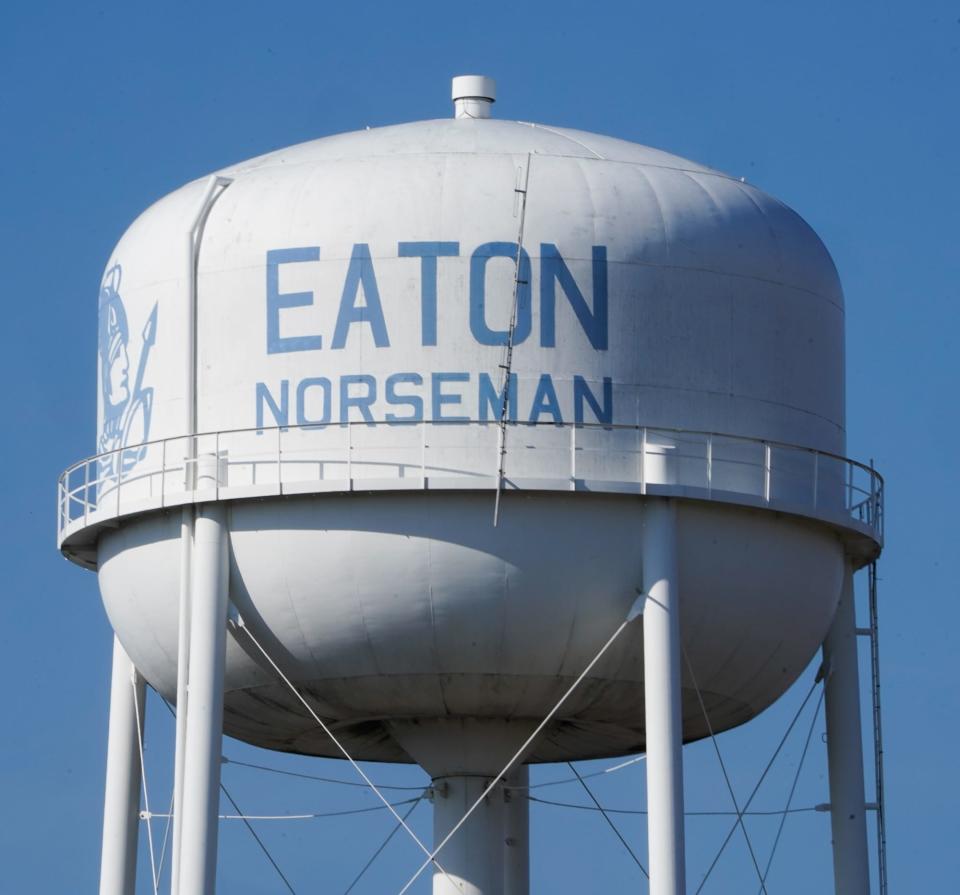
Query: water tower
{"x": 471, "y": 443}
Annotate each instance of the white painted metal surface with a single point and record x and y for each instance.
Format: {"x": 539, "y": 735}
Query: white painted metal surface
{"x": 183, "y": 675}
{"x": 121, "y": 807}
{"x": 440, "y": 614}
{"x": 474, "y": 858}
{"x": 202, "y": 750}
{"x": 662, "y": 664}
{"x": 845, "y": 749}
{"x": 722, "y": 309}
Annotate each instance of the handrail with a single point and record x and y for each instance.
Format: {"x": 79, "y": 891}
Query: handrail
{"x": 225, "y": 464}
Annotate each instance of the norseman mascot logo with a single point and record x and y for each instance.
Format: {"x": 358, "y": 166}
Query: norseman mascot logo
{"x": 126, "y": 410}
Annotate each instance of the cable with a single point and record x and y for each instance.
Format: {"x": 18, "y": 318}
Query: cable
{"x": 723, "y": 769}
{"x": 793, "y": 787}
{"x": 383, "y": 845}
{"x": 763, "y": 776}
{"x": 616, "y": 767}
{"x": 240, "y": 814}
{"x": 259, "y": 841}
{"x": 520, "y": 751}
{"x": 317, "y": 814}
{"x": 643, "y": 813}
{"x": 163, "y": 844}
{"x": 431, "y": 859}
{"x": 606, "y": 817}
{"x": 260, "y": 767}
{"x": 143, "y": 780}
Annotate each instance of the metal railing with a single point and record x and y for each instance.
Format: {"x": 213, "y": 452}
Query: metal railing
{"x": 446, "y": 454}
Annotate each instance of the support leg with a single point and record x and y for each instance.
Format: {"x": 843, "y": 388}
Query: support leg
{"x": 462, "y": 756}
{"x": 516, "y": 877}
{"x": 201, "y": 774}
{"x": 662, "y": 683}
{"x": 121, "y": 808}
{"x": 845, "y": 749}
{"x": 183, "y": 676}
{"x": 474, "y": 857}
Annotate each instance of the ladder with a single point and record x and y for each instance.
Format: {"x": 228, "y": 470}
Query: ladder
{"x": 877, "y": 728}
{"x": 520, "y": 206}
{"x": 873, "y": 632}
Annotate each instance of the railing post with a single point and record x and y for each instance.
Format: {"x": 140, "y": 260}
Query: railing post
{"x": 766, "y": 472}
{"x": 709, "y": 464}
{"x": 349, "y": 456}
{"x": 816, "y": 477}
{"x": 86, "y": 491}
{"x": 163, "y": 473}
{"x": 643, "y": 460}
{"x": 118, "y": 457}
{"x": 573, "y": 457}
{"x": 423, "y": 453}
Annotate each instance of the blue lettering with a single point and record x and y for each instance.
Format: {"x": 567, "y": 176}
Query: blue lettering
{"x": 581, "y": 393}
{"x": 545, "y": 401}
{"x": 281, "y": 412}
{"x": 478, "y": 284}
{"x": 360, "y": 274}
{"x": 428, "y": 252}
{"x": 315, "y": 382}
{"x": 490, "y": 400}
{"x": 413, "y": 401}
{"x": 553, "y": 269}
{"x": 361, "y": 402}
{"x": 439, "y": 398}
{"x": 276, "y": 300}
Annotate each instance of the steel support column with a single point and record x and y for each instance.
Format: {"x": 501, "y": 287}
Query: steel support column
{"x": 204, "y": 734}
{"x": 474, "y": 857}
{"x": 121, "y": 804}
{"x": 662, "y": 690}
{"x": 183, "y": 678}
{"x": 851, "y": 872}
{"x": 516, "y": 865}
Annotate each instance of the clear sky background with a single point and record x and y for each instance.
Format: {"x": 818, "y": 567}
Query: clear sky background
{"x": 846, "y": 111}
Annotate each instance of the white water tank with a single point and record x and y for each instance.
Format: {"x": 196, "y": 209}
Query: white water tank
{"x": 677, "y": 333}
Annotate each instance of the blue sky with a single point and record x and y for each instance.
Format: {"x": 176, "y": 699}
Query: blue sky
{"x": 847, "y": 112}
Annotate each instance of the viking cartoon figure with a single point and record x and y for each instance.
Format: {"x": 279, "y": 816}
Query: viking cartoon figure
{"x": 126, "y": 409}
